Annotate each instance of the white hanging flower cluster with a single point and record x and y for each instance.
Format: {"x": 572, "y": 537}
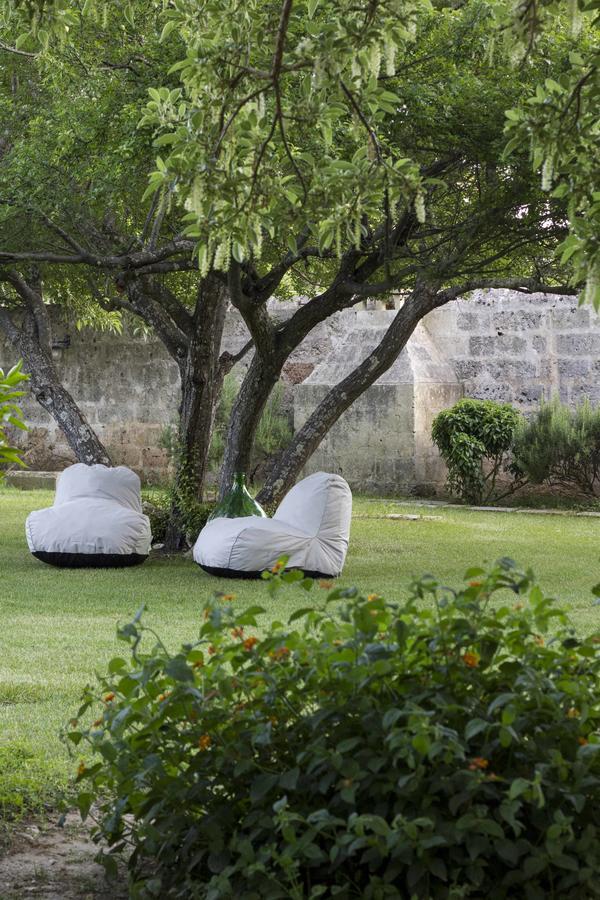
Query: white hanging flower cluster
{"x": 420, "y": 207}
{"x": 547, "y": 173}
{"x": 592, "y": 285}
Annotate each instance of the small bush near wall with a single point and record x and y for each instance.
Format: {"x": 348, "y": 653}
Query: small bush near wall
{"x": 157, "y": 506}
{"x": 560, "y": 447}
{"x": 444, "y": 746}
{"x": 474, "y": 438}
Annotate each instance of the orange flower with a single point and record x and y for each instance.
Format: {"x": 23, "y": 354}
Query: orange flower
{"x": 479, "y": 763}
{"x": 276, "y": 569}
{"x": 198, "y": 664}
{"x": 162, "y": 697}
{"x": 108, "y": 697}
{"x": 205, "y": 741}
{"x": 212, "y": 649}
{"x": 227, "y": 598}
{"x": 280, "y": 653}
{"x": 237, "y": 633}
{"x": 471, "y": 659}
{"x": 97, "y": 723}
{"x": 573, "y": 713}
{"x": 582, "y": 741}
{"x": 475, "y": 584}
{"x": 81, "y": 769}
{"x": 539, "y": 640}
{"x": 371, "y": 597}
{"x": 326, "y": 585}
{"x": 250, "y": 642}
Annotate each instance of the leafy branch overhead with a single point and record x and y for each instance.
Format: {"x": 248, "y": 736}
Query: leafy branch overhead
{"x": 282, "y": 115}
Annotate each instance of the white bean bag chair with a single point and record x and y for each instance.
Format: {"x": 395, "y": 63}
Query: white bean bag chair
{"x": 311, "y": 526}
{"x": 96, "y": 520}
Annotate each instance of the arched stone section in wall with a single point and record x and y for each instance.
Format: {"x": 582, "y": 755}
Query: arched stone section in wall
{"x": 382, "y": 444}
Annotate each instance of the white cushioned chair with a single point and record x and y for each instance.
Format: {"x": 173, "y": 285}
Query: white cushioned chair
{"x": 96, "y": 520}
{"x": 311, "y": 526}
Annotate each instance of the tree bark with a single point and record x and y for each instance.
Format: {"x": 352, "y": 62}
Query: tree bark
{"x": 290, "y": 462}
{"x": 248, "y": 407}
{"x": 50, "y": 392}
{"x": 201, "y": 383}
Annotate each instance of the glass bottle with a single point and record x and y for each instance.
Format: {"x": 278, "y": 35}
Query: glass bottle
{"x": 237, "y": 502}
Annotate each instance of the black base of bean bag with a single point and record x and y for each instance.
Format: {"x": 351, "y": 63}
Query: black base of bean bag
{"x": 90, "y": 560}
{"x": 236, "y": 573}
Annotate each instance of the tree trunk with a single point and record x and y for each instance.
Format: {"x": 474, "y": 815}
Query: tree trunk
{"x": 249, "y": 405}
{"x": 51, "y": 394}
{"x": 201, "y": 383}
{"x": 290, "y": 462}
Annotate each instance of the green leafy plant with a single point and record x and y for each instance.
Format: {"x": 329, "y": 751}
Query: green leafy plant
{"x": 443, "y": 746}
{"x": 560, "y": 446}
{"x": 474, "y": 438}
{"x": 272, "y": 434}
{"x": 157, "y": 506}
{"x": 10, "y": 414}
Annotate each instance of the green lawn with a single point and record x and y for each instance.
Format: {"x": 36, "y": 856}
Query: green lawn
{"x": 58, "y": 627}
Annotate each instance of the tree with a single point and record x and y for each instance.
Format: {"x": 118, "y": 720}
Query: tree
{"x": 559, "y": 123}
{"x": 72, "y": 188}
{"x": 351, "y": 149}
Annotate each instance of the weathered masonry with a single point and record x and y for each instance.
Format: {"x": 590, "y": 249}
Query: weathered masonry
{"x": 497, "y": 344}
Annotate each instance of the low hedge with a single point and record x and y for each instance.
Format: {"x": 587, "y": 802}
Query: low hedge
{"x": 441, "y": 746}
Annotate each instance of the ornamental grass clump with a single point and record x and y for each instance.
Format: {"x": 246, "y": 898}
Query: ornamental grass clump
{"x": 444, "y": 745}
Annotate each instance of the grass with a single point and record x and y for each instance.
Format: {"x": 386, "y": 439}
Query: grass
{"x": 58, "y": 626}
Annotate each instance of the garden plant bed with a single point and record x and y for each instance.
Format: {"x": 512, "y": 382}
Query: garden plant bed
{"x": 59, "y": 626}
{"x": 49, "y": 862}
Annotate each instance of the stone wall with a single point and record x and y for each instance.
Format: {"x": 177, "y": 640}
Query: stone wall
{"x": 521, "y": 348}
{"x": 496, "y": 345}
{"x": 128, "y": 388}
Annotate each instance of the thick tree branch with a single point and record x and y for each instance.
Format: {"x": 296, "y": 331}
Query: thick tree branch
{"x": 228, "y": 360}
{"x": 175, "y": 341}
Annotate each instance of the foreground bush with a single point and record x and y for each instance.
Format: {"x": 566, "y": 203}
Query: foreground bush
{"x": 474, "y": 438}
{"x": 10, "y": 413}
{"x": 560, "y": 447}
{"x": 437, "y": 747}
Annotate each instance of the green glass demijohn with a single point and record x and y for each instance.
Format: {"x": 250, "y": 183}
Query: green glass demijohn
{"x": 237, "y": 502}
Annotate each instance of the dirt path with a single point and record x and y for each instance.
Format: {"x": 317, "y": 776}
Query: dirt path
{"x": 52, "y": 863}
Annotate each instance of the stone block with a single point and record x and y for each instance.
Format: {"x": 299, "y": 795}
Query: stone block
{"x": 573, "y": 368}
{"x": 517, "y": 320}
{"x": 32, "y": 481}
{"x": 498, "y": 345}
{"x": 578, "y": 344}
{"x": 569, "y": 318}
{"x": 297, "y": 372}
{"x": 474, "y": 320}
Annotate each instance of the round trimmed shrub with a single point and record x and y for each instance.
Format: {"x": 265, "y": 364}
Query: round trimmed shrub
{"x": 445, "y": 746}
{"x": 474, "y": 438}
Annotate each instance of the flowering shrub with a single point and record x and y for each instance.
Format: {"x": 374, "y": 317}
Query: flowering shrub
{"x": 443, "y": 746}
